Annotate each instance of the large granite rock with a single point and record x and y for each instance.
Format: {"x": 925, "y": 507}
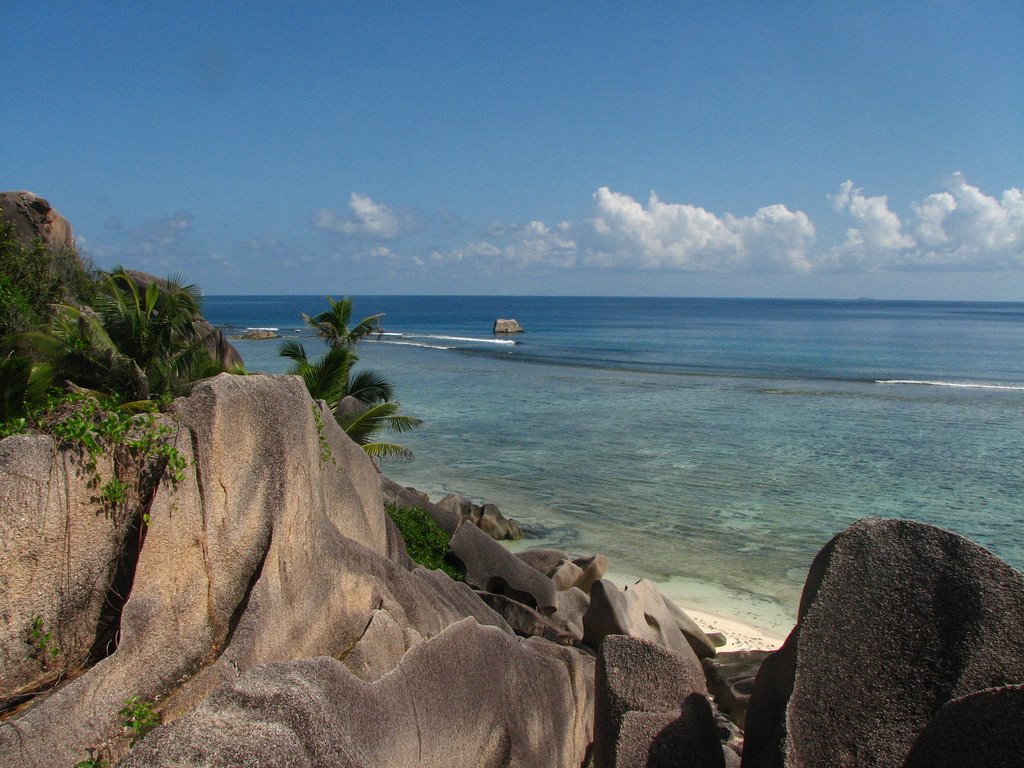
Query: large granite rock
{"x": 641, "y": 611}
{"x": 59, "y": 547}
{"x": 33, "y": 217}
{"x": 897, "y": 618}
{"x": 264, "y": 552}
{"x": 984, "y": 729}
{"x": 642, "y": 690}
{"x": 507, "y": 325}
{"x": 491, "y": 567}
{"x": 564, "y": 570}
{"x": 523, "y": 703}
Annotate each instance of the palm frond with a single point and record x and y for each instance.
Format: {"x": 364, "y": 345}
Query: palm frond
{"x": 386, "y": 451}
{"x": 370, "y": 386}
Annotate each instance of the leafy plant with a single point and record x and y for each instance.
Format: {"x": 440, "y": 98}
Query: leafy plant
{"x": 93, "y": 761}
{"x": 44, "y": 646}
{"x": 113, "y": 492}
{"x": 425, "y": 540}
{"x": 325, "y": 447}
{"x": 139, "y": 717}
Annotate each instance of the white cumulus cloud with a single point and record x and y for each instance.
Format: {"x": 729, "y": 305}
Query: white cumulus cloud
{"x": 686, "y": 237}
{"x": 960, "y": 228}
{"x": 367, "y": 219}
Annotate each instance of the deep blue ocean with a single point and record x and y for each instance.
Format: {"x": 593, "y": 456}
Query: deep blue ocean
{"x": 713, "y": 445}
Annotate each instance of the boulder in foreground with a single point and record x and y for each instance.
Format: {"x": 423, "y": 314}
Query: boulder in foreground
{"x": 897, "y": 618}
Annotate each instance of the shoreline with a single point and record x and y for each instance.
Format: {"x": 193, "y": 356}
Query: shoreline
{"x": 750, "y": 625}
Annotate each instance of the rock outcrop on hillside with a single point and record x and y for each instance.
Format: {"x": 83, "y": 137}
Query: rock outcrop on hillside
{"x": 33, "y": 217}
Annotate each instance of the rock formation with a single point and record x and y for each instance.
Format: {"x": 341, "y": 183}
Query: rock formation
{"x": 264, "y": 552}
{"x": 33, "y": 217}
{"x": 897, "y": 620}
{"x": 652, "y": 708}
{"x": 505, "y": 325}
{"x": 486, "y": 517}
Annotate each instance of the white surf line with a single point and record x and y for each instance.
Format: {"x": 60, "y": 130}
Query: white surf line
{"x": 955, "y": 384}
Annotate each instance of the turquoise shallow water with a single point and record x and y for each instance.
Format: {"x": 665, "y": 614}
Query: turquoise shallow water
{"x": 714, "y": 443}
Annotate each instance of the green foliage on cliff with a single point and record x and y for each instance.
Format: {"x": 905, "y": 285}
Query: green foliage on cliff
{"x": 425, "y": 540}
{"x": 32, "y": 278}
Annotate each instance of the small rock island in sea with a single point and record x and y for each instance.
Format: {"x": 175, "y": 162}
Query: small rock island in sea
{"x": 258, "y": 606}
{"x": 504, "y": 325}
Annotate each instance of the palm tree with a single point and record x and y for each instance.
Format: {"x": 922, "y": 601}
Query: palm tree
{"x": 365, "y": 422}
{"x": 361, "y": 401}
{"x": 138, "y": 342}
{"x": 332, "y": 324}
{"x": 331, "y": 377}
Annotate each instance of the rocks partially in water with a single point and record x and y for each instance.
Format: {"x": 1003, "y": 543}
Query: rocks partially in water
{"x": 258, "y": 334}
{"x": 506, "y": 325}
{"x": 486, "y": 517}
{"x": 275, "y": 617}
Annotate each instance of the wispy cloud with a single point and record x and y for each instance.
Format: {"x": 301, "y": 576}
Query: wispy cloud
{"x": 159, "y": 245}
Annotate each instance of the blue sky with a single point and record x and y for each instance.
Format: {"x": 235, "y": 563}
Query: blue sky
{"x": 706, "y": 149}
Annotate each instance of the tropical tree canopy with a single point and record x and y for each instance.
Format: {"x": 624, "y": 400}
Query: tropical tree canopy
{"x": 332, "y": 325}
{"x": 137, "y": 340}
{"x": 361, "y": 401}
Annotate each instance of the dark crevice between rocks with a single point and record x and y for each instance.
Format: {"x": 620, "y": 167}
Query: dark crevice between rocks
{"x": 108, "y": 628}
{"x": 243, "y": 604}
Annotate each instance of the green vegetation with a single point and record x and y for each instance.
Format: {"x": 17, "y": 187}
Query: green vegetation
{"x": 362, "y": 402}
{"x": 32, "y": 278}
{"x": 93, "y": 761}
{"x": 136, "y": 341}
{"x": 425, "y": 540}
{"x": 44, "y": 646}
{"x": 139, "y": 717}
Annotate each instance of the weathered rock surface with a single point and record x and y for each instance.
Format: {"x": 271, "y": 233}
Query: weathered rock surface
{"x": 897, "y": 618}
{"x": 521, "y": 703}
{"x": 642, "y": 689}
{"x": 492, "y": 568}
{"x": 264, "y": 552}
{"x": 58, "y": 549}
{"x": 731, "y": 678}
{"x": 641, "y": 611}
{"x": 565, "y": 571}
{"x": 33, "y": 217}
{"x": 486, "y": 517}
{"x": 984, "y": 729}
{"x": 526, "y": 621}
{"x": 506, "y": 325}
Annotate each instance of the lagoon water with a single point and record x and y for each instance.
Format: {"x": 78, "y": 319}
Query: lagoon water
{"x": 713, "y": 445}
